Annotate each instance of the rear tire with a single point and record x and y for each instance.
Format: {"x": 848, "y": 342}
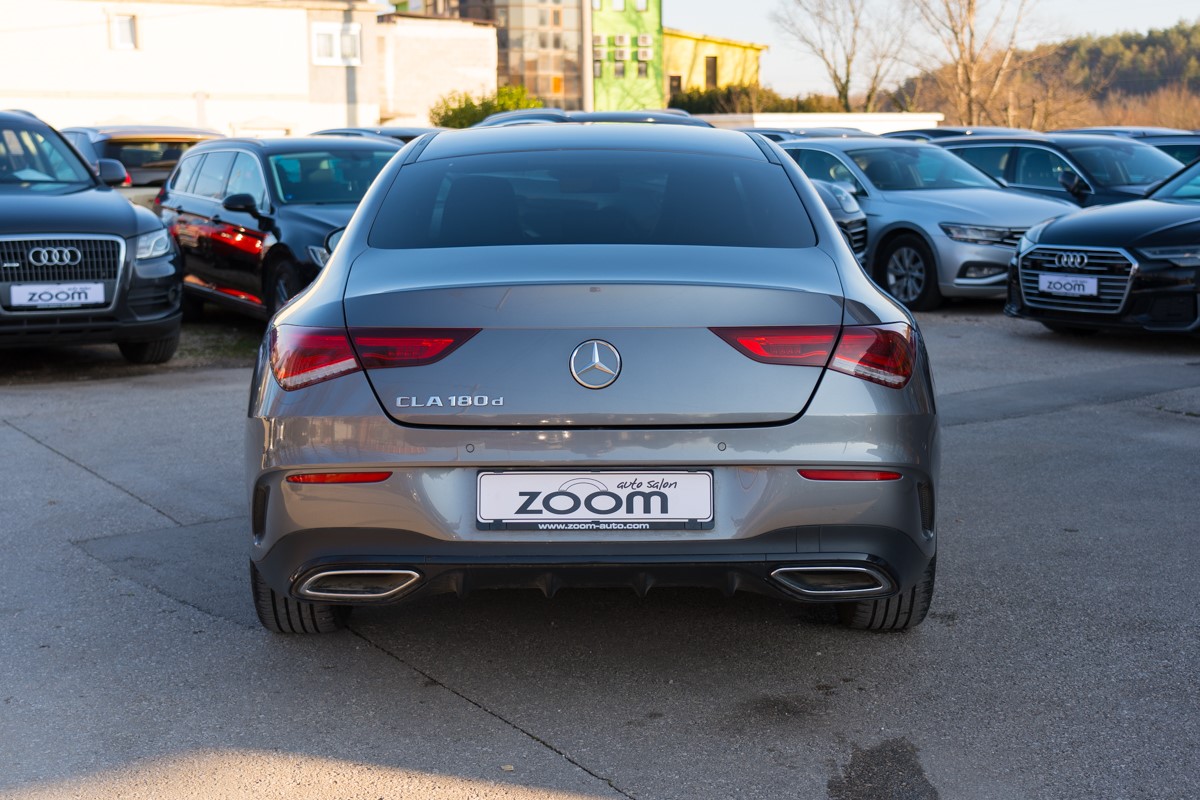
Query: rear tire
{"x": 899, "y": 613}
{"x": 155, "y": 351}
{"x": 907, "y": 270}
{"x": 1070, "y": 330}
{"x": 281, "y": 614}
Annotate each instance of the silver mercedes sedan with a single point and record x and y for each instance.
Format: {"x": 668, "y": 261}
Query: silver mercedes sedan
{"x": 592, "y": 356}
{"x": 938, "y": 227}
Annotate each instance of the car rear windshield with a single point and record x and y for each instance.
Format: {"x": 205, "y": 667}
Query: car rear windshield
{"x": 32, "y": 159}
{"x": 1124, "y": 163}
{"x": 592, "y": 197}
{"x": 327, "y": 176}
{"x": 146, "y": 154}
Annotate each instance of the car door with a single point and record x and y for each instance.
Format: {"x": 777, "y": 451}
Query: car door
{"x": 198, "y": 207}
{"x": 238, "y": 237}
{"x": 992, "y": 159}
{"x": 177, "y": 209}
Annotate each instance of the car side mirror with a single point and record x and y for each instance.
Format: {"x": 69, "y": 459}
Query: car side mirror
{"x": 1074, "y": 184}
{"x": 333, "y": 238}
{"x": 112, "y": 172}
{"x": 240, "y": 202}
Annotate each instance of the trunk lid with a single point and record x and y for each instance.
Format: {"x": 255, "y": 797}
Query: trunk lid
{"x": 534, "y": 306}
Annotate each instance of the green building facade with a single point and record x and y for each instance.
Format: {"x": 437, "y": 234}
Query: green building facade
{"x": 627, "y": 54}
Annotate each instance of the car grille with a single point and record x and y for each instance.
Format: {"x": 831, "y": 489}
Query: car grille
{"x": 855, "y": 232}
{"x": 1013, "y": 237}
{"x": 1112, "y": 268}
{"x": 101, "y": 260}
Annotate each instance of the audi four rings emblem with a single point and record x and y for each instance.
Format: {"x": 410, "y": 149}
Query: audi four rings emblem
{"x": 55, "y": 256}
{"x": 595, "y": 364}
{"x": 1075, "y": 260}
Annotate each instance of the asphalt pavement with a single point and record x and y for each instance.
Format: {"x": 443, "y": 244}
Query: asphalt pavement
{"x": 1058, "y": 660}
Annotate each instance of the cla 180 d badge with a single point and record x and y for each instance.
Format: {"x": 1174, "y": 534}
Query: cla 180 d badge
{"x": 452, "y": 401}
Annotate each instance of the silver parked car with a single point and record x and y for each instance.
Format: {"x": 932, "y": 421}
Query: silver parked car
{"x": 938, "y": 226}
{"x": 602, "y": 355}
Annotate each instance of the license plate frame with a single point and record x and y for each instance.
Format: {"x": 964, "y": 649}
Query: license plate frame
{"x": 516, "y": 500}
{"x": 66, "y": 294}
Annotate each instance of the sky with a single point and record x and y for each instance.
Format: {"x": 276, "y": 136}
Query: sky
{"x": 789, "y": 71}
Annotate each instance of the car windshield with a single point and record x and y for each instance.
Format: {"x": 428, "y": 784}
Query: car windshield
{"x": 32, "y": 159}
{"x": 326, "y": 176}
{"x": 917, "y": 167}
{"x": 1184, "y": 188}
{"x": 1120, "y": 163}
{"x": 592, "y": 197}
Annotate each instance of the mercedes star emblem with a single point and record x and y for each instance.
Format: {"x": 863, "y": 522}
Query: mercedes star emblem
{"x": 595, "y": 364}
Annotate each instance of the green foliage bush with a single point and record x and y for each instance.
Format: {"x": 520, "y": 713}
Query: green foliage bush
{"x": 461, "y": 110}
{"x": 749, "y": 99}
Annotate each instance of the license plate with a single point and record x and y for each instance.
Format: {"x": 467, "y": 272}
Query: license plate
{"x": 56, "y": 295}
{"x": 1069, "y": 285}
{"x": 566, "y": 501}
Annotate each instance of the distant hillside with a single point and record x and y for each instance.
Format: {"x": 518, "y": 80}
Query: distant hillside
{"x": 1137, "y": 63}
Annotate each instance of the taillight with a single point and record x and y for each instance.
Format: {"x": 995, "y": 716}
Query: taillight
{"x": 303, "y": 356}
{"x": 339, "y": 477}
{"x": 849, "y": 475}
{"x": 799, "y": 346}
{"x": 381, "y": 348}
{"x": 882, "y": 354}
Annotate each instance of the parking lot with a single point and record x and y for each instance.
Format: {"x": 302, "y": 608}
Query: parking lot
{"x": 1058, "y": 660}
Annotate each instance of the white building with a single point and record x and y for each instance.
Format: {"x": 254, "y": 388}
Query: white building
{"x": 244, "y": 67}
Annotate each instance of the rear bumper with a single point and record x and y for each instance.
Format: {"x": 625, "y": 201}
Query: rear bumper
{"x": 793, "y": 563}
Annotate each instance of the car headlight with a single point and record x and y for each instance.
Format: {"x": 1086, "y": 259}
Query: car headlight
{"x": 844, "y": 198}
{"x": 975, "y": 234}
{"x": 318, "y": 254}
{"x": 1185, "y": 256}
{"x": 153, "y": 245}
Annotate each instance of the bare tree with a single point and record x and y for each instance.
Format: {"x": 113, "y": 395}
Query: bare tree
{"x": 979, "y": 43}
{"x": 857, "y": 41}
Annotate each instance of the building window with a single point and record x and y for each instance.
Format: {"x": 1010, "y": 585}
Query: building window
{"x": 596, "y": 5}
{"x": 556, "y": 18}
{"x": 643, "y": 69}
{"x": 675, "y": 85}
{"x": 710, "y": 72}
{"x": 335, "y": 44}
{"x": 122, "y": 32}
{"x": 618, "y": 5}
{"x": 641, "y": 5}
{"x": 619, "y": 69}
{"x": 597, "y": 69}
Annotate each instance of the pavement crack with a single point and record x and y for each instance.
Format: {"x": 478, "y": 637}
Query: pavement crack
{"x": 495, "y": 714}
{"x": 91, "y": 472}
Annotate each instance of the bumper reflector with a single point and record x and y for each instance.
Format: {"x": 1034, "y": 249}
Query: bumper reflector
{"x": 339, "y": 477}
{"x": 849, "y": 475}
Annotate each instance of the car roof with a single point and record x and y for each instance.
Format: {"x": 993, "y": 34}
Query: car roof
{"x": 570, "y": 136}
{"x": 853, "y": 143}
{"x": 1133, "y": 131}
{"x": 97, "y": 132}
{"x": 389, "y": 130}
{"x": 300, "y": 144}
{"x": 1059, "y": 139}
{"x": 960, "y": 130}
{"x": 533, "y": 115}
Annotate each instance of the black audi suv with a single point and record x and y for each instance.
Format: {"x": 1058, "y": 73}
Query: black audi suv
{"x": 79, "y": 264}
{"x": 1134, "y": 265}
{"x": 251, "y": 215}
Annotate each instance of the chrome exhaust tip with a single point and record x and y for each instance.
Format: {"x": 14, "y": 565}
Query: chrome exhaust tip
{"x": 829, "y": 582}
{"x": 357, "y": 584}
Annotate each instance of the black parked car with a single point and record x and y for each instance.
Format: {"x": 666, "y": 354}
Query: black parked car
{"x": 251, "y": 215}
{"x": 78, "y": 262}
{"x": 1086, "y": 168}
{"x": 532, "y": 116}
{"x": 1136, "y": 265}
{"x": 1175, "y": 142}
{"x": 930, "y": 134}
